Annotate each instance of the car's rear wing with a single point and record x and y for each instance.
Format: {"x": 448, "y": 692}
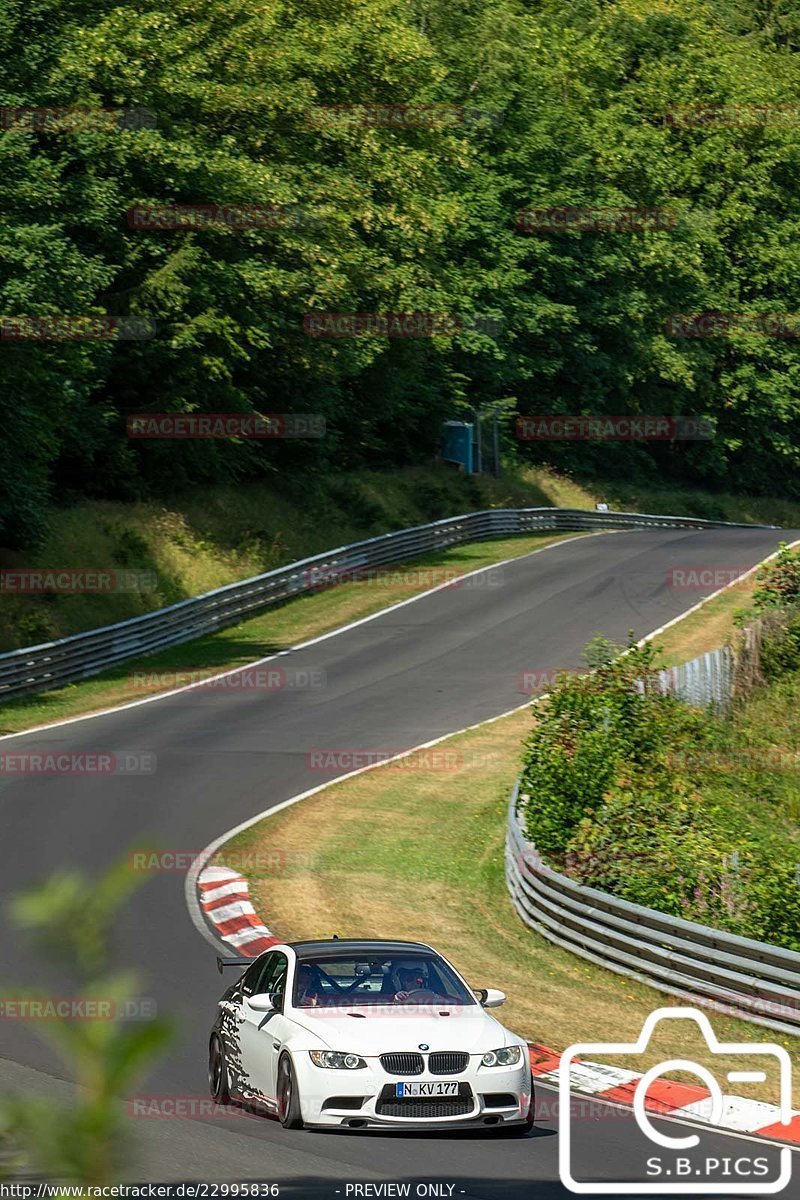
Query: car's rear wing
{"x": 241, "y": 963}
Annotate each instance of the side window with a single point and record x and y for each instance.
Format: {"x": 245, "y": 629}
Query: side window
{"x": 253, "y": 979}
{"x": 274, "y": 978}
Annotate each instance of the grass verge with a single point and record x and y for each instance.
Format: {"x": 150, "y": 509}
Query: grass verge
{"x": 418, "y": 852}
{"x": 216, "y": 535}
{"x": 213, "y": 536}
{"x": 710, "y": 626}
{"x": 298, "y": 620}
{"x": 569, "y": 491}
{"x": 713, "y": 624}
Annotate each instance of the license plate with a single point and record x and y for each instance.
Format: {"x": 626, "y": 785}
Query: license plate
{"x": 434, "y": 1088}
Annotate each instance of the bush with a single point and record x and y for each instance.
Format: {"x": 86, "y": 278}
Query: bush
{"x": 780, "y": 645}
{"x": 778, "y": 889}
{"x": 594, "y": 731}
{"x": 646, "y": 846}
{"x": 632, "y": 792}
{"x": 778, "y": 582}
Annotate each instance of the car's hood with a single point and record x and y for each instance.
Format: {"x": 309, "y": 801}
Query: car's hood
{"x": 383, "y": 1033}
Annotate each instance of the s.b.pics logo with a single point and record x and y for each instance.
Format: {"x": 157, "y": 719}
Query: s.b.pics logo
{"x": 675, "y": 1161}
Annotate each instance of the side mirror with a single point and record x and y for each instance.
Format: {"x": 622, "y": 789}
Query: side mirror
{"x": 490, "y": 997}
{"x": 264, "y": 1002}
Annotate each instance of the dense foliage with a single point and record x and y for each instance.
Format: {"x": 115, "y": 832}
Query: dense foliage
{"x": 776, "y": 598}
{"x": 778, "y": 581}
{"x": 568, "y": 105}
{"x": 637, "y": 794}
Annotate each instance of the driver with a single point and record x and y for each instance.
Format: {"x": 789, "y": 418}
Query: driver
{"x": 309, "y": 986}
{"x": 410, "y": 979}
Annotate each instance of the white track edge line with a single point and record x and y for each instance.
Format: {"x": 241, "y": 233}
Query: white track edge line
{"x": 713, "y": 595}
{"x": 211, "y": 849}
{"x": 199, "y": 863}
{"x": 192, "y": 875}
{"x": 114, "y": 708}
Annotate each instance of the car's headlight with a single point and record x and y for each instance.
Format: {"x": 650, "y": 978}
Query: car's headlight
{"x": 506, "y": 1056}
{"x": 336, "y": 1060}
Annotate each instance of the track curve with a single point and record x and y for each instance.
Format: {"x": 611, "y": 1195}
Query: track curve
{"x": 449, "y": 659}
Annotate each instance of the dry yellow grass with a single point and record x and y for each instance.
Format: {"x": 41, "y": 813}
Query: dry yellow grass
{"x": 711, "y": 626}
{"x": 413, "y": 853}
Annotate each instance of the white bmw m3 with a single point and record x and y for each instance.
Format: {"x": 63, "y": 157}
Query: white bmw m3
{"x": 367, "y": 1034}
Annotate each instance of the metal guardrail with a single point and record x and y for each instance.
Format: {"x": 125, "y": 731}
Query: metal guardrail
{"x": 705, "y": 680}
{"x": 39, "y": 668}
{"x": 738, "y": 976}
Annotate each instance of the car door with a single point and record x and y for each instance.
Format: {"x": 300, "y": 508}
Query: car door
{"x": 230, "y": 1024}
{"x": 236, "y": 1024}
{"x": 259, "y": 1038}
{"x": 280, "y": 1025}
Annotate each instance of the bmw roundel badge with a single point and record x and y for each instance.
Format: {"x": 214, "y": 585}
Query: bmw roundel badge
{"x": 424, "y": 1046}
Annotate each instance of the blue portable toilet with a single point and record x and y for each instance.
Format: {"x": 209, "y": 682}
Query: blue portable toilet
{"x": 457, "y": 444}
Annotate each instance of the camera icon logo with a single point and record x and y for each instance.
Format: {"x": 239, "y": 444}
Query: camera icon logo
{"x": 697, "y": 1175}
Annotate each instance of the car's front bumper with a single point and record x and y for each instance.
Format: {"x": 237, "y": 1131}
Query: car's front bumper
{"x": 359, "y": 1099}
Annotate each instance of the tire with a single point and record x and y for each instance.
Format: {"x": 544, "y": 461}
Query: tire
{"x": 288, "y": 1095}
{"x": 218, "y": 1083}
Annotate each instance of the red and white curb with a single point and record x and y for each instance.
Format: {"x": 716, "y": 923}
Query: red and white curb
{"x": 225, "y": 899}
{"x": 666, "y": 1098}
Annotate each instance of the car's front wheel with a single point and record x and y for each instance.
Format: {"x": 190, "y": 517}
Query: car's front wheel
{"x": 218, "y": 1071}
{"x": 288, "y": 1095}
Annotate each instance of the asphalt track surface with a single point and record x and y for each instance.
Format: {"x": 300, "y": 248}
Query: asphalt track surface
{"x": 448, "y": 659}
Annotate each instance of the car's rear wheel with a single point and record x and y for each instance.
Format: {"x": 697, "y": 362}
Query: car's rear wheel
{"x": 288, "y": 1095}
{"x": 218, "y": 1071}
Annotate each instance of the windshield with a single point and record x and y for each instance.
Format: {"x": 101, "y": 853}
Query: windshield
{"x": 402, "y": 979}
